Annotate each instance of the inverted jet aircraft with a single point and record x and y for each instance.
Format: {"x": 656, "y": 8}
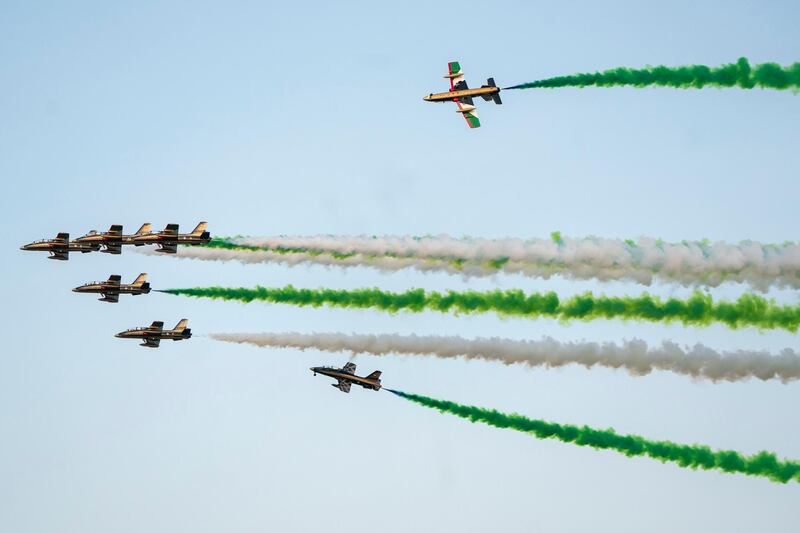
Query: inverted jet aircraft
{"x": 153, "y": 334}
{"x": 169, "y": 238}
{"x": 347, "y": 375}
{"x": 60, "y": 247}
{"x": 112, "y": 288}
{"x": 113, "y": 239}
{"x": 462, "y": 95}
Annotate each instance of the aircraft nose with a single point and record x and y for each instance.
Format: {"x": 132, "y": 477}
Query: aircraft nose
{"x": 118, "y": 335}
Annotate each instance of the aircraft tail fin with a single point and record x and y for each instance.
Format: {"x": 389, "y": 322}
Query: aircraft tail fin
{"x": 140, "y": 280}
{"x": 171, "y": 229}
{"x": 181, "y": 325}
{"x": 146, "y": 228}
{"x": 200, "y": 228}
{"x": 495, "y": 96}
{"x": 375, "y": 375}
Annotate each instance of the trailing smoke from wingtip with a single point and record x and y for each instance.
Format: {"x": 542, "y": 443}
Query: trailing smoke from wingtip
{"x": 763, "y": 464}
{"x": 643, "y": 261}
{"x": 739, "y": 75}
{"x": 634, "y": 356}
{"x": 700, "y": 309}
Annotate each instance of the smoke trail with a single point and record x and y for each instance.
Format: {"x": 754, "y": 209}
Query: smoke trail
{"x": 699, "y": 362}
{"x": 698, "y": 310}
{"x": 690, "y": 263}
{"x": 764, "y": 464}
{"x": 739, "y": 74}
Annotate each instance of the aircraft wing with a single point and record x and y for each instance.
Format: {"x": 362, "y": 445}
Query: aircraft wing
{"x": 114, "y": 280}
{"x": 168, "y": 247}
{"x": 60, "y": 255}
{"x": 151, "y": 343}
{"x": 465, "y": 104}
{"x": 468, "y": 111}
{"x": 455, "y": 74}
{"x": 343, "y": 385}
{"x": 111, "y": 297}
{"x": 349, "y": 368}
{"x": 157, "y": 325}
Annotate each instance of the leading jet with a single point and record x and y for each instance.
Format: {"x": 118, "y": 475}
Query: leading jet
{"x": 153, "y": 334}
{"x": 113, "y": 239}
{"x": 462, "y": 95}
{"x": 60, "y": 247}
{"x": 346, "y": 376}
{"x": 169, "y": 239}
{"x": 112, "y": 288}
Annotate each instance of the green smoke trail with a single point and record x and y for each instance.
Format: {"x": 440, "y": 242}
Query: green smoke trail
{"x": 226, "y": 244}
{"x": 698, "y": 310}
{"x": 739, "y": 74}
{"x": 764, "y": 464}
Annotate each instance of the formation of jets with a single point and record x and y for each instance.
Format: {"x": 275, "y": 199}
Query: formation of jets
{"x": 463, "y": 95}
{"x": 113, "y": 240}
{"x": 167, "y": 241}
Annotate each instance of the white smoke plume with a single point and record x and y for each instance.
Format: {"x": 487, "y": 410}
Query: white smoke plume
{"x": 634, "y": 356}
{"x": 691, "y": 264}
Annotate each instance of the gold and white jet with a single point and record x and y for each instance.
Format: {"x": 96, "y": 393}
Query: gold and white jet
{"x": 462, "y": 95}
{"x": 113, "y": 239}
{"x": 60, "y": 247}
{"x": 153, "y": 334}
{"x": 169, "y": 238}
{"x": 346, "y": 376}
{"x": 112, "y": 288}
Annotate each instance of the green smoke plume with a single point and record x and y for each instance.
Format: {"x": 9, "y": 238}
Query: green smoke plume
{"x": 226, "y": 244}
{"x": 698, "y": 310}
{"x": 739, "y": 74}
{"x": 764, "y": 464}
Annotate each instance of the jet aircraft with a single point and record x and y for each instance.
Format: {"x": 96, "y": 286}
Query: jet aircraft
{"x": 154, "y": 333}
{"x": 462, "y": 95}
{"x": 113, "y": 239}
{"x": 347, "y": 375}
{"x": 60, "y": 247}
{"x": 112, "y": 288}
{"x": 169, "y": 238}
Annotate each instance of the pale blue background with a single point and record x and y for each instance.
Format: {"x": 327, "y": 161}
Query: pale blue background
{"x": 300, "y": 118}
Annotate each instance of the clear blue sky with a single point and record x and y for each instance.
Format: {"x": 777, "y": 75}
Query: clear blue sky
{"x": 286, "y": 118}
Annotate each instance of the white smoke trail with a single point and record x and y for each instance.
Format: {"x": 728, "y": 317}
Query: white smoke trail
{"x": 635, "y": 356}
{"x": 690, "y": 264}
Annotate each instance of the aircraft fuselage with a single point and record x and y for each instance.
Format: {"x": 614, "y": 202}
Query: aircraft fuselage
{"x": 463, "y": 93}
{"x": 367, "y": 383}
{"x": 144, "y": 334}
{"x": 107, "y": 288}
{"x": 59, "y": 249}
